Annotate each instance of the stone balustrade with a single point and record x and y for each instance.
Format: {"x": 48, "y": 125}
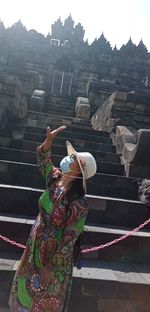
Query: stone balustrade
{"x": 123, "y": 109}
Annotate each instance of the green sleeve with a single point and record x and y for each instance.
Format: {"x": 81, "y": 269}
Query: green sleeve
{"x": 44, "y": 163}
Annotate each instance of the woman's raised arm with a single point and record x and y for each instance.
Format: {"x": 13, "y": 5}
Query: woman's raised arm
{"x": 44, "y": 151}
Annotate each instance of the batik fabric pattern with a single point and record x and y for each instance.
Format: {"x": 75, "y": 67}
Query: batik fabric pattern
{"x": 51, "y": 241}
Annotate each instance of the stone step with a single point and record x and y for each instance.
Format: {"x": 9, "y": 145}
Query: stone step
{"x": 47, "y": 117}
{"x": 60, "y": 149}
{"x": 100, "y": 184}
{"x": 113, "y": 186}
{"x": 115, "y": 211}
{"x": 17, "y": 155}
{"x": 16, "y": 173}
{"x": 137, "y": 171}
{"x": 97, "y": 287}
{"x": 134, "y": 249}
{"x": 102, "y": 210}
{"x": 54, "y": 122}
{"x": 32, "y": 125}
{"x": 108, "y": 286}
{"x": 110, "y": 168}
{"x": 62, "y": 98}
{"x": 97, "y": 150}
{"x": 59, "y": 110}
{"x": 65, "y": 100}
{"x": 66, "y": 135}
{"x": 60, "y": 105}
{"x": 27, "y": 152}
{"x": 74, "y": 132}
{"x": 85, "y": 145}
{"x": 42, "y": 119}
{"x": 59, "y": 145}
{"x": 76, "y": 123}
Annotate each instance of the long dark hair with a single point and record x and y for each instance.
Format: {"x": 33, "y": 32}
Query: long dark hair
{"x": 75, "y": 190}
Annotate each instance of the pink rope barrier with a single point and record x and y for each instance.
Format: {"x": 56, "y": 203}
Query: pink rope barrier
{"x": 7, "y": 240}
{"x": 115, "y": 241}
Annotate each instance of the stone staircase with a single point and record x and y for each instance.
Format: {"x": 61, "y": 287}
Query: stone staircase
{"x": 60, "y": 105}
{"x": 112, "y": 280}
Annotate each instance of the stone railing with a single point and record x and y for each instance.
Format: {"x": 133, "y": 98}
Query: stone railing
{"x": 134, "y": 149}
{"x": 126, "y": 116}
{"x": 126, "y": 109}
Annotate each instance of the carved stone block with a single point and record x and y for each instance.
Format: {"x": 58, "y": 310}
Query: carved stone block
{"x": 23, "y": 107}
{"x": 138, "y": 153}
{"x": 123, "y": 135}
{"x": 38, "y": 100}
{"x": 82, "y": 109}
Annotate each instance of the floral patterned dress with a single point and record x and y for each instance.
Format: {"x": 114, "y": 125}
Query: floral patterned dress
{"x": 51, "y": 240}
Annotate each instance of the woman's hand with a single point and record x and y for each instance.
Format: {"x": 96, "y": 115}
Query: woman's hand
{"x": 50, "y": 135}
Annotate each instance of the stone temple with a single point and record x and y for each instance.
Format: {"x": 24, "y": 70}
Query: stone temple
{"x": 102, "y": 95}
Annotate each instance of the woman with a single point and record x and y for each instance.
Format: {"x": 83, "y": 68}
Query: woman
{"x": 42, "y": 282}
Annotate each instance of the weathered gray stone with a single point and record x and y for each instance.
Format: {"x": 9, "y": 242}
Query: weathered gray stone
{"x": 5, "y": 142}
{"x": 3, "y": 117}
{"x": 138, "y": 153}
{"x": 23, "y": 108}
{"x": 7, "y": 264}
{"x": 83, "y": 84}
{"x": 3, "y": 167}
{"x": 123, "y": 135}
{"x": 12, "y": 100}
{"x": 123, "y": 109}
{"x": 144, "y": 192}
{"x": 82, "y": 108}
{"x": 17, "y": 135}
{"x": 38, "y": 100}
{"x": 32, "y": 122}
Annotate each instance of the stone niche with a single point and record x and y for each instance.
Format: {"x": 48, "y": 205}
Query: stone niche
{"x": 82, "y": 108}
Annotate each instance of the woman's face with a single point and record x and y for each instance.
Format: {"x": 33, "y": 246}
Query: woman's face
{"x": 74, "y": 166}
{"x": 69, "y": 164}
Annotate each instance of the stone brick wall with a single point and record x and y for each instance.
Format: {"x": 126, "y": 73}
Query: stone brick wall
{"x": 122, "y": 108}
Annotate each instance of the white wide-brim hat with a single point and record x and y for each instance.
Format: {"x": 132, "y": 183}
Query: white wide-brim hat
{"x": 89, "y": 168}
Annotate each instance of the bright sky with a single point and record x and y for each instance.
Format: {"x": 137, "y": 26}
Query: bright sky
{"x": 118, "y": 19}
